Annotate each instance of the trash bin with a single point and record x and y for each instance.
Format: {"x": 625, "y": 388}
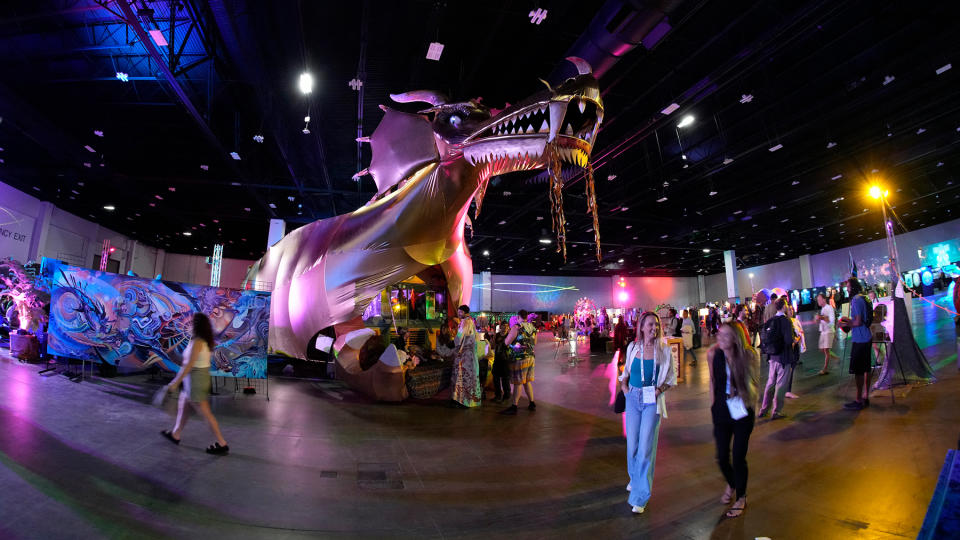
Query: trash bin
{"x": 24, "y": 346}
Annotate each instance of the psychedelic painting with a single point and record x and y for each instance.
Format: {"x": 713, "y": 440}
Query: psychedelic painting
{"x": 135, "y": 323}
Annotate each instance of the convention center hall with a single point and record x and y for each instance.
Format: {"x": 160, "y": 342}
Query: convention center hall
{"x": 538, "y": 269}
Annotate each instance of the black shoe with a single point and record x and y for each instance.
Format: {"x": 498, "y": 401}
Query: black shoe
{"x": 511, "y": 410}
{"x": 532, "y": 406}
{"x": 169, "y": 436}
{"x": 497, "y": 398}
{"x": 866, "y": 402}
{"x": 218, "y": 450}
{"x": 853, "y": 406}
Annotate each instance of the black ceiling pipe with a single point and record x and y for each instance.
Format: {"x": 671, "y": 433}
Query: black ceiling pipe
{"x": 617, "y": 29}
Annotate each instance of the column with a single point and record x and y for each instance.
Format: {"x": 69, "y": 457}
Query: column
{"x": 702, "y": 289}
{"x": 158, "y": 264}
{"x": 806, "y": 272}
{"x": 278, "y": 228}
{"x": 131, "y": 255}
{"x": 486, "y": 291}
{"x": 730, "y": 265}
{"x": 40, "y": 228}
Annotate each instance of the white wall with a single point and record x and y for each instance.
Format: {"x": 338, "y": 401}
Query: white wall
{"x": 78, "y": 241}
{"x": 194, "y": 269}
{"x": 832, "y": 267}
{"x": 512, "y": 293}
{"x": 18, "y": 213}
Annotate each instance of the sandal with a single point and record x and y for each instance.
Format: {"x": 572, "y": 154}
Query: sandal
{"x": 727, "y": 497}
{"x": 170, "y": 437}
{"x": 736, "y": 511}
{"x": 216, "y": 449}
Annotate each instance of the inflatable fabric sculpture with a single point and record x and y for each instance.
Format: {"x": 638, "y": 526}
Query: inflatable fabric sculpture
{"x": 428, "y": 167}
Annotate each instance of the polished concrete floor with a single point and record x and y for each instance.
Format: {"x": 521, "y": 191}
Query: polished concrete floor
{"x": 85, "y": 460}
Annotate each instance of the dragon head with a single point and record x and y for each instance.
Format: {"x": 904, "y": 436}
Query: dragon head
{"x": 524, "y": 136}
{"x": 553, "y": 126}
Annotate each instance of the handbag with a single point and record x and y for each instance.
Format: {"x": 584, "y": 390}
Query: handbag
{"x": 620, "y": 403}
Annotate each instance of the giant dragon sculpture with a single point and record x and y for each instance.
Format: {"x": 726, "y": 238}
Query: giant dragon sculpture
{"x": 428, "y": 167}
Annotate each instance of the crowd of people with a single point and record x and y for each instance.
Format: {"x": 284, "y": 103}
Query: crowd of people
{"x": 734, "y": 361}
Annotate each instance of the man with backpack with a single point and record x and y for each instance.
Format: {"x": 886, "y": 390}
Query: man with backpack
{"x": 861, "y": 317}
{"x": 776, "y": 339}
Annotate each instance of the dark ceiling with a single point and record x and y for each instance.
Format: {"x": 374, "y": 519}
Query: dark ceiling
{"x": 850, "y": 90}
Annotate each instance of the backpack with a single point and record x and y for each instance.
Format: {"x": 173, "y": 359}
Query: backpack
{"x": 771, "y": 336}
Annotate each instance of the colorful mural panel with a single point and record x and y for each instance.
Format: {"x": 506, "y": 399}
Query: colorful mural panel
{"x": 135, "y": 323}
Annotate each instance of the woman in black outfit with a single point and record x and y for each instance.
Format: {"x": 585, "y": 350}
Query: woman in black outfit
{"x": 734, "y": 365}
{"x": 501, "y": 365}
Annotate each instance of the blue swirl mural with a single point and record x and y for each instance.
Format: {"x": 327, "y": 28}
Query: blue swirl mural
{"x": 135, "y": 323}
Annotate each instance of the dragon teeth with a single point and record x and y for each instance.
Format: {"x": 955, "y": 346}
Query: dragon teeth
{"x": 544, "y": 128}
{"x": 529, "y": 130}
{"x": 569, "y": 130}
{"x": 583, "y": 105}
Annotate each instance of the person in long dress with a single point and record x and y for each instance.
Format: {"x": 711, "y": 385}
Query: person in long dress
{"x": 466, "y": 369}
{"x": 686, "y": 332}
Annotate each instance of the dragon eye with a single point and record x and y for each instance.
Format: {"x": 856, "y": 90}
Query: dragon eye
{"x": 455, "y": 121}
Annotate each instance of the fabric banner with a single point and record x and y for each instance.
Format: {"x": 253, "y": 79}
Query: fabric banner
{"x": 134, "y": 323}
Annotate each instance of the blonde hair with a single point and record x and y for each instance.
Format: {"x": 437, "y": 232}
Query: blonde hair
{"x": 657, "y": 337}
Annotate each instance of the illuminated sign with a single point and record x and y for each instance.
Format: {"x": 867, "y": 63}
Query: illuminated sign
{"x": 528, "y": 288}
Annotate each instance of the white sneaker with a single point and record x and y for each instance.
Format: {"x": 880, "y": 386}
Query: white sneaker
{"x": 628, "y": 486}
{"x": 639, "y": 509}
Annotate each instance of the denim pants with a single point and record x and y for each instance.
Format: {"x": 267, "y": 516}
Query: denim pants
{"x": 643, "y": 429}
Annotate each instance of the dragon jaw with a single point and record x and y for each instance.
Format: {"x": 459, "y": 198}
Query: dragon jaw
{"x": 556, "y": 125}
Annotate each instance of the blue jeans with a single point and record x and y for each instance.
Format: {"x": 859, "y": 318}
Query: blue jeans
{"x": 643, "y": 429}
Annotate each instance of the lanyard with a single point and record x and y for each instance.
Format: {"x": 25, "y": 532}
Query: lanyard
{"x": 727, "y": 366}
{"x": 643, "y": 378}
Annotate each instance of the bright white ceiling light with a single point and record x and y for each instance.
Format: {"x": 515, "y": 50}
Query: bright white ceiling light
{"x": 258, "y": 138}
{"x": 775, "y": 147}
{"x": 306, "y": 83}
{"x": 687, "y": 120}
{"x": 746, "y": 98}
{"x": 123, "y": 77}
{"x": 620, "y": 261}
{"x": 706, "y": 250}
{"x": 837, "y": 177}
{"x": 235, "y": 156}
{"x": 944, "y": 68}
{"x": 537, "y": 17}
{"x": 712, "y": 193}
{"x": 89, "y": 148}
{"x": 544, "y": 240}
{"x": 486, "y": 253}
{"x": 98, "y": 133}
{"x": 662, "y": 199}
{"x": 670, "y": 108}
{"x": 888, "y": 79}
{"x": 831, "y": 144}
{"x": 434, "y": 51}
{"x": 110, "y": 207}
{"x": 188, "y": 233}
{"x": 158, "y": 38}
{"x": 727, "y": 161}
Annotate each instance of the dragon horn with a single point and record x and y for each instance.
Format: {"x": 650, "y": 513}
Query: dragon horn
{"x": 583, "y": 67}
{"x": 427, "y": 96}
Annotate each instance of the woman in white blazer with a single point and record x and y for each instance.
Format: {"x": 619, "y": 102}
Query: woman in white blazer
{"x": 648, "y": 372}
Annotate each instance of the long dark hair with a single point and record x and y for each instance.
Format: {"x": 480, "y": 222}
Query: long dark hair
{"x": 744, "y": 365}
{"x": 202, "y": 329}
